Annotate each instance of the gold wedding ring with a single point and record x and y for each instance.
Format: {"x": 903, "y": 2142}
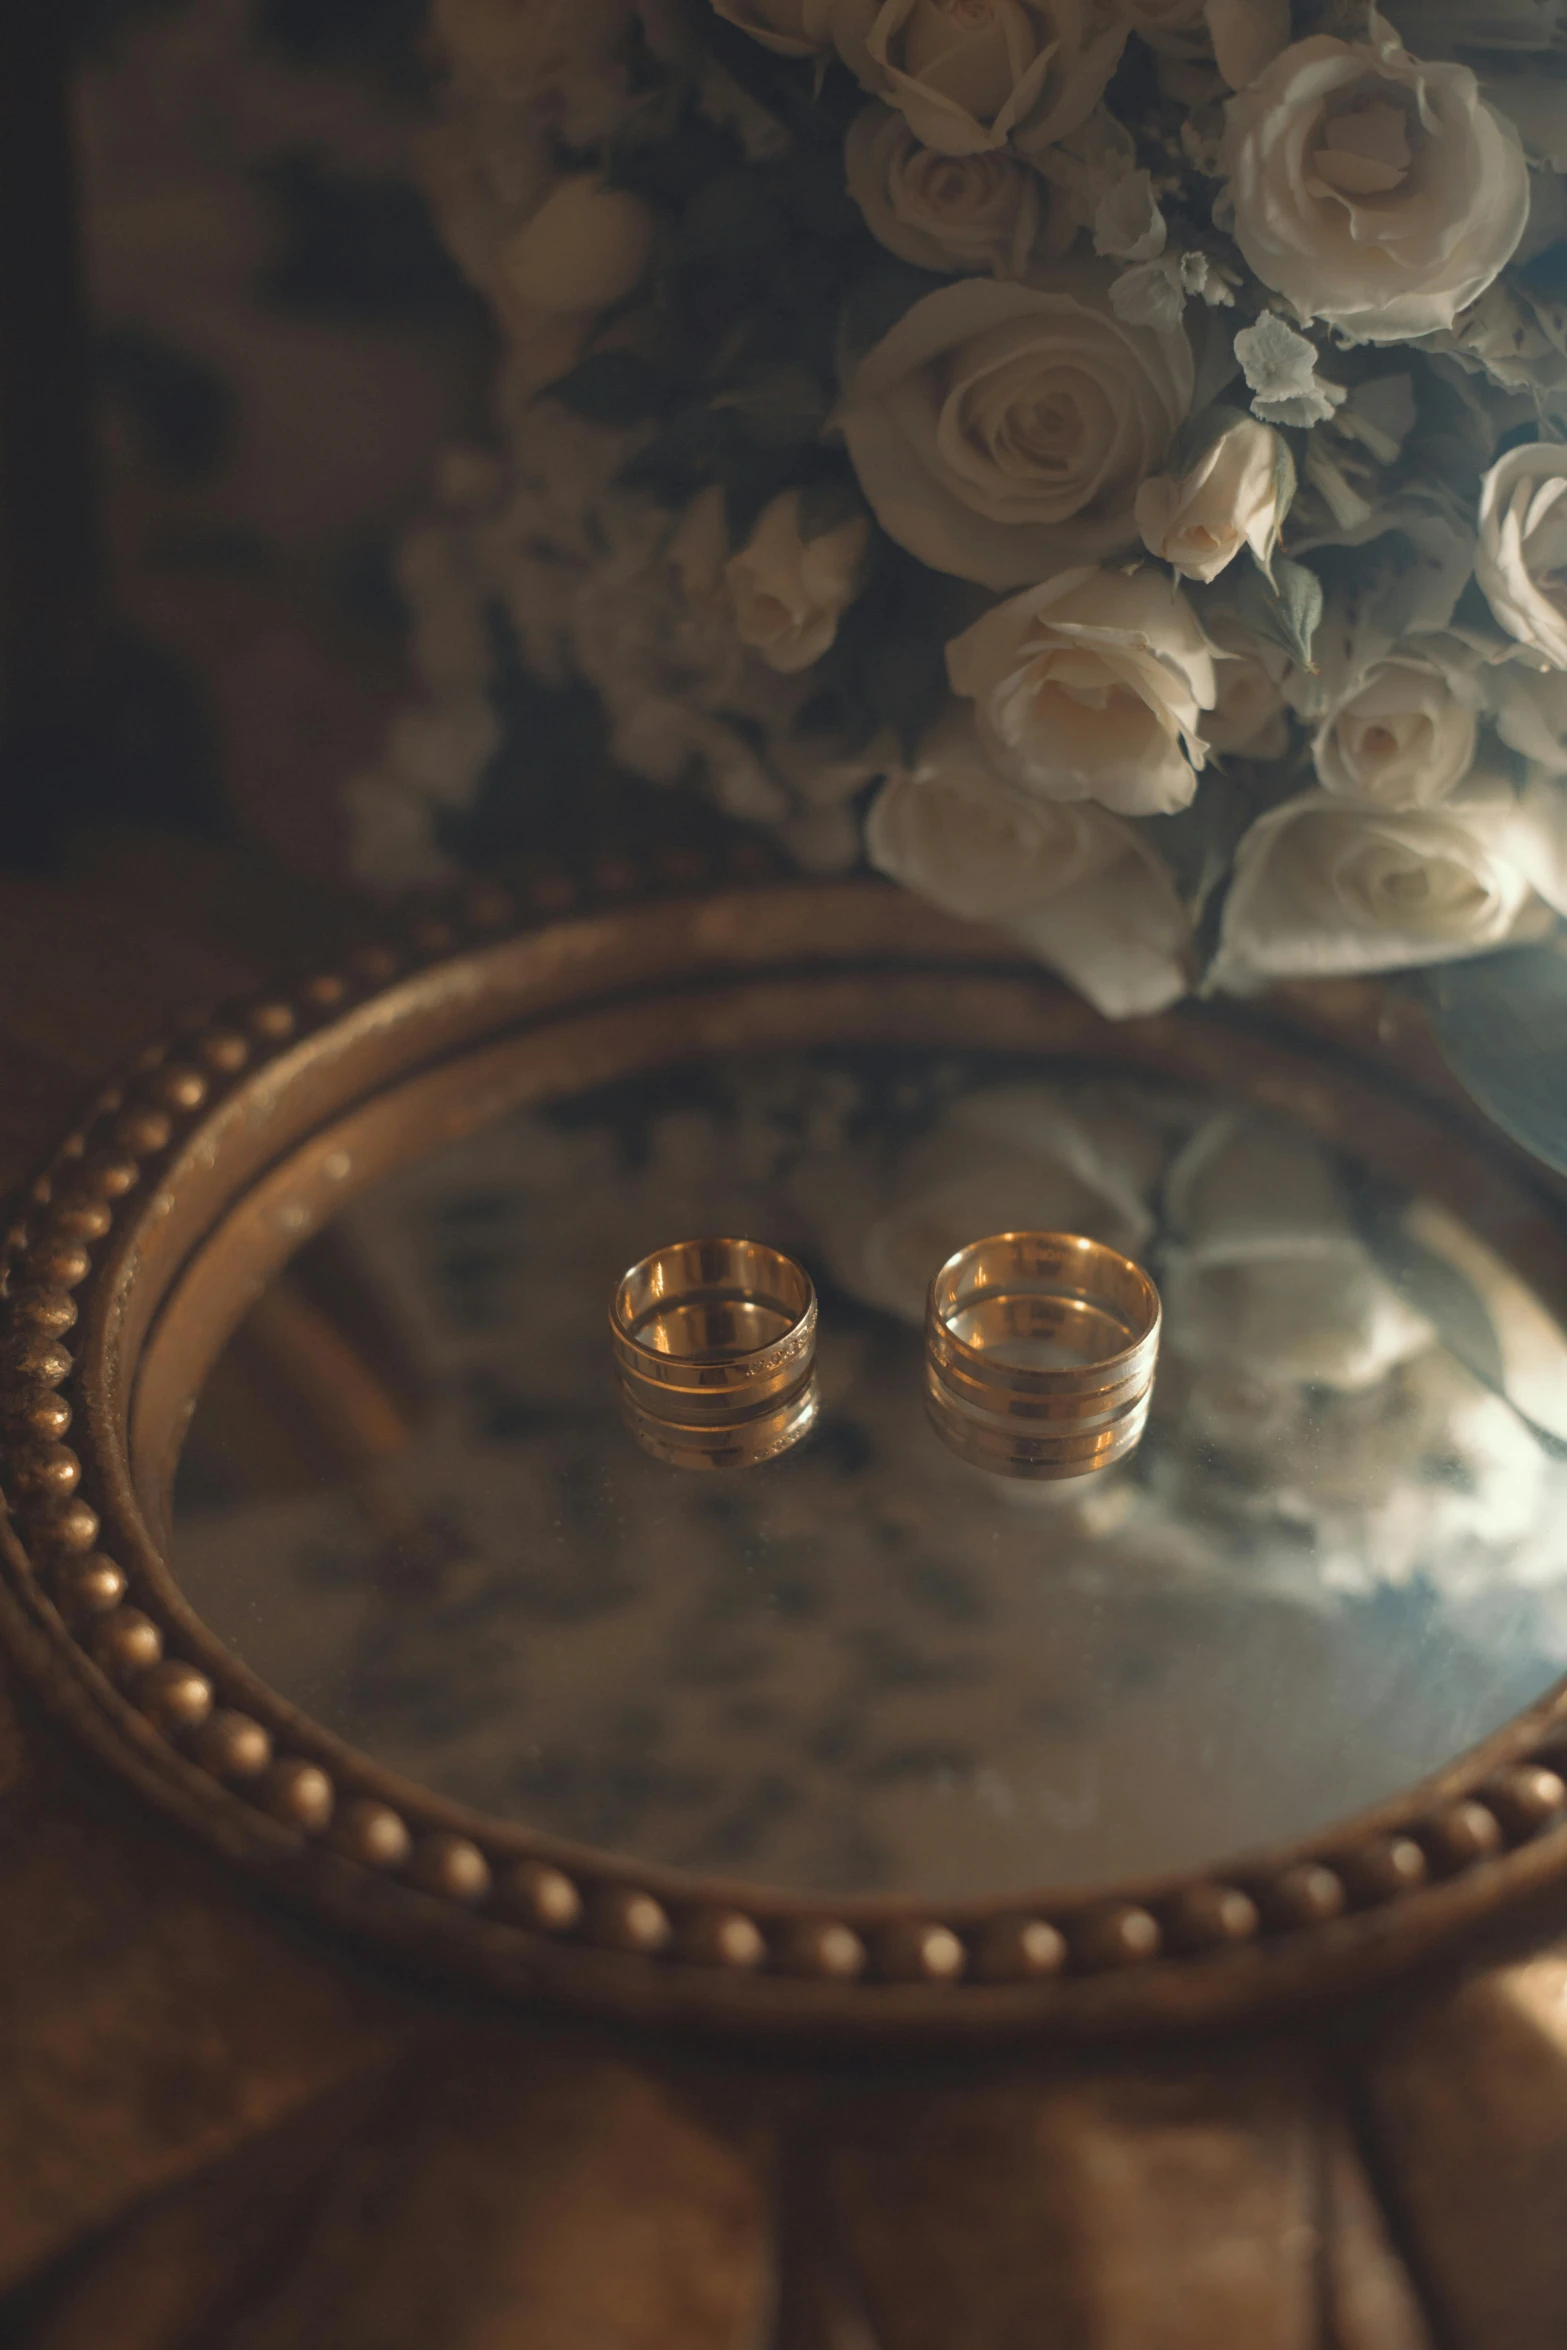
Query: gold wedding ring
{"x": 715, "y": 1344}
{"x": 1040, "y": 1350}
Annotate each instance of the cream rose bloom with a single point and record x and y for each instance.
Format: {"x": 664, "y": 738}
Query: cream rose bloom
{"x": 1322, "y": 888}
{"x": 587, "y": 246}
{"x": 790, "y": 591}
{"x": 952, "y": 213}
{"x": 1521, "y": 561}
{"x": 1372, "y": 190}
{"x": 1230, "y": 499}
{"x": 1000, "y": 431}
{"x": 972, "y": 74}
{"x": 1403, "y": 734}
{"x": 1083, "y": 892}
{"x": 1092, "y": 688}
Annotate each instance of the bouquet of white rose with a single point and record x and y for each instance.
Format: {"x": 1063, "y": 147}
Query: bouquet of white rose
{"x": 1101, "y": 462}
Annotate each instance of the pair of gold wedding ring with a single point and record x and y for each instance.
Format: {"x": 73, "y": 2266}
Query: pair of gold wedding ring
{"x": 1040, "y": 1352}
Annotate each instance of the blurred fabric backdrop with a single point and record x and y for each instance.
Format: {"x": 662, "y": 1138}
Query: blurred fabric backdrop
{"x": 278, "y": 346}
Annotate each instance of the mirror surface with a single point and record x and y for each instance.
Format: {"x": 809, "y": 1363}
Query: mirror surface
{"x": 408, "y": 1501}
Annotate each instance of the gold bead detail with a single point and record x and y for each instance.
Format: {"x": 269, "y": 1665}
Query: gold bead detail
{"x": 300, "y": 1794}
{"x": 175, "y": 1696}
{"x": 110, "y": 1177}
{"x": 724, "y": 1938}
{"x": 232, "y": 1746}
{"x": 224, "y": 1051}
{"x": 1309, "y": 1895}
{"x": 66, "y": 1526}
{"x": 32, "y": 1358}
{"x": 921, "y": 1953}
{"x": 823, "y": 1946}
{"x": 59, "y": 1263}
{"x": 78, "y": 1217}
{"x": 1385, "y": 1868}
{"x": 325, "y": 992}
{"x": 88, "y": 1586}
{"x": 450, "y": 1866}
{"x": 373, "y": 1834}
{"x": 1120, "y": 1936}
{"x": 1212, "y": 1917}
{"x": 127, "y": 1643}
{"x": 50, "y": 1474}
{"x": 179, "y": 1087}
{"x": 142, "y": 1130}
{"x": 541, "y": 1897}
{"x": 627, "y": 1919}
{"x": 38, "y": 1308}
{"x": 273, "y": 1022}
{"x": 1462, "y": 1833}
{"x": 45, "y": 1416}
{"x": 1019, "y": 1950}
{"x": 1526, "y": 1798}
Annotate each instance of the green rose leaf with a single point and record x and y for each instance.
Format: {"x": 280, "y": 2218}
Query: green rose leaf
{"x": 1286, "y": 609}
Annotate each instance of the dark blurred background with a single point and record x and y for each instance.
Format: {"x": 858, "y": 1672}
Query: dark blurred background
{"x": 233, "y": 344}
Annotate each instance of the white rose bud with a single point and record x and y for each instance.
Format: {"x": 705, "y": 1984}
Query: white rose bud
{"x": 1092, "y": 688}
{"x": 1000, "y": 431}
{"x": 953, "y": 213}
{"x": 1371, "y": 189}
{"x": 789, "y": 591}
{"x": 1521, "y": 561}
{"x": 972, "y": 74}
{"x": 1323, "y": 888}
{"x": 1403, "y": 735}
{"x": 1233, "y": 497}
{"x": 587, "y": 245}
{"x": 1083, "y": 891}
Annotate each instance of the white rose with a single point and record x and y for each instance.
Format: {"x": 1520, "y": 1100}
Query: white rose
{"x": 1403, "y": 734}
{"x": 1267, "y": 1276}
{"x": 1085, "y": 893}
{"x": 952, "y": 213}
{"x": 1013, "y": 1158}
{"x": 587, "y": 246}
{"x": 1230, "y": 499}
{"x": 1000, "y": 431}
{"x": 790, "y": 591}
{"x": 1521, "y": 561}
{"x": 1530, "y": 710}
{"x": 971, "y": 74}
{"x": 1092, "y": 688}
{"x": 1372, "y": 190}
{"x": 1323, "y": 888}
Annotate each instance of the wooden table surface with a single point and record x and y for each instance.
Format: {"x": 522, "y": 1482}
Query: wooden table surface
{"x": 220, "y": 2131}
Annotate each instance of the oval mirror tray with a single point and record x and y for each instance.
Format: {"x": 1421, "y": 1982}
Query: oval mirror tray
{"x": 324, "y": 1527}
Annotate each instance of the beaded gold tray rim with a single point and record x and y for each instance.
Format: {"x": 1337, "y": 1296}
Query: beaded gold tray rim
{"x": 90, "y": 1609}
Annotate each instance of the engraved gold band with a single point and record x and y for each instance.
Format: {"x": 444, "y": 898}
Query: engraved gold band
{"x": 1002, "y": 1315}
{"x": 715, "y": 1343}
